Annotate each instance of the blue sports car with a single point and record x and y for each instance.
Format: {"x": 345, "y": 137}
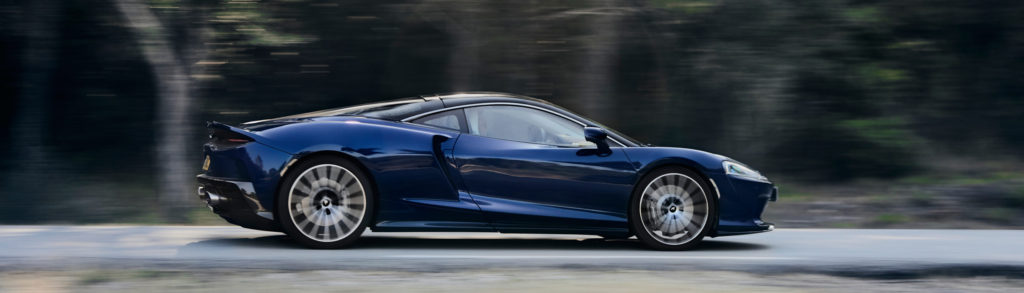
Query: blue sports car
{"x": 471, "y": 162}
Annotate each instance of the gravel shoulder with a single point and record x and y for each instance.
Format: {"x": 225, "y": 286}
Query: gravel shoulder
{"x": 487, "y": 280}
{"x": 203, "y": 259}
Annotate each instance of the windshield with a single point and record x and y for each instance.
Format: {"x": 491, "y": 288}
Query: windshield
{"x": 595, "y": 123}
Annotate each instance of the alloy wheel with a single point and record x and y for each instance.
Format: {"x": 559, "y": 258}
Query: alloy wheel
{"x": 674, "y": 209}
{"x": 327, "y": 203}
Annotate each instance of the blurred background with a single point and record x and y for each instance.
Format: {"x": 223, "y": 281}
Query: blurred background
{"x": 896, "y": 113}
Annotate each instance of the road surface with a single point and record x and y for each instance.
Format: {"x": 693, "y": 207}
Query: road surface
{"x": 845, "y": 252}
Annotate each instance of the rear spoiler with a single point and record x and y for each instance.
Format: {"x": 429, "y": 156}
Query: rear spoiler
{"x": 227, "y": 132}
{"x": 218, "y": 125}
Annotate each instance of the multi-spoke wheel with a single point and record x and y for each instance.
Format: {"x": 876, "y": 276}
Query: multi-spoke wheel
{"x": 673, "y": 210}
{"x": 324, "y": 202}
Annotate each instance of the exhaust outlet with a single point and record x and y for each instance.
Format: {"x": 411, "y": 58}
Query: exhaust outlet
{"x": 211, "y": 199}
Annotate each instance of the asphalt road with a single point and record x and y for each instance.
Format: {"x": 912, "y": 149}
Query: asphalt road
{"x": 854, "y": 252}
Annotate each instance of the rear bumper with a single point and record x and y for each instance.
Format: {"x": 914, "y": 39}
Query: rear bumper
{"x": 236, "y": 202}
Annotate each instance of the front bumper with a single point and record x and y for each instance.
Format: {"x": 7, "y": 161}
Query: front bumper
{"x": 236, "y": 202}
{"x": 757, "y": 226}
{"x": 742, "y": 203}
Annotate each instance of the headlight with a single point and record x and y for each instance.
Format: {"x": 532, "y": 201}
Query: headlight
{"x": 741, "y": 171}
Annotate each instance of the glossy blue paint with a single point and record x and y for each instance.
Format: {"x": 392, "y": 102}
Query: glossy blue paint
{"x": 406, "y": 161}
{"x": 646, "y": 159}
{"x": 740, "y": 202}
{"x": 746, "y": 201}
{"x": 527, "y": 185}
{"x": 434, "y": 179}
{"x": 253, "y": 162}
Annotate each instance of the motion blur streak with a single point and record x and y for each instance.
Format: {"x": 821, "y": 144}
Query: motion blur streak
{"x": 850, "y": 251}
{"x": 862, "y": 111}
{"x": 866, "y": 114}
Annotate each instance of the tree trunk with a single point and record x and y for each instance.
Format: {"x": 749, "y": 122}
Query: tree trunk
{"x": 464, "y": 57}
{"x": 596, "y": 77}
{"x": 40, "y": 59}
{"x": 29, "y": 151}
{"x": 173, "y": 108}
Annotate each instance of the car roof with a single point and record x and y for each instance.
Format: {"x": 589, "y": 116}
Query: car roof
{"x": 458, "y": 100}
{"x": 414, "y": 107}
{"x": 465, "y": 98}
{"x": 399, "y": 109}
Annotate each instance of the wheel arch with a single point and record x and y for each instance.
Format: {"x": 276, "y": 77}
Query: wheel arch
{"x": 299, "y": 158}
{"x": 679, "y": 164}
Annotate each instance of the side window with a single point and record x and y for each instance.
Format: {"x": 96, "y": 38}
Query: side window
{"x": 448, "y": 119}
{"x": 525, "y": 125}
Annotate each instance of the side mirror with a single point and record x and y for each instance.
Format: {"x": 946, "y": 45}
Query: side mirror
{"x": 599, "y": 137}
{"x": 595, "y": 135}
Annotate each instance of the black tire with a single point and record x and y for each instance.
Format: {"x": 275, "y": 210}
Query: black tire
{"x": 319, "y": 201}
{"x": 680, "y": 202}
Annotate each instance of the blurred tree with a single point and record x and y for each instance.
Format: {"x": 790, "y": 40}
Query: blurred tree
{"x": 460, "y": 22}
{"x": 825, "y": 90}
{"x": 33, "y": 164}
{"x": 174, "y": 112}
{"x": 594, "y": 88}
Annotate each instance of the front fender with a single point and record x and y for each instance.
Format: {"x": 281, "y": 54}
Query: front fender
{"x": 646, "y": 159}
{"x": 740, "y": 202}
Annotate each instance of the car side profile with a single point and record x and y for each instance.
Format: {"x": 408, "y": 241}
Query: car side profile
{"x": 471, "y": 162}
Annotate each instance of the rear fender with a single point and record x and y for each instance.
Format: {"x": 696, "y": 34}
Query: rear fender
{"x": 408, "y": 163}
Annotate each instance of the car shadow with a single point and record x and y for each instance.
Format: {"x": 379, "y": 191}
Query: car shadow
{"x": 390, "y": 242}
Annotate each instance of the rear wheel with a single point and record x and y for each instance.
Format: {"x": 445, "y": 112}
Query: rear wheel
{"x": 672, "y": 209}
{"x": 325, "y": 202}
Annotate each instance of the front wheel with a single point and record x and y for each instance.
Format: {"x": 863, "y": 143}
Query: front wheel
{"x": 325, "y": 202}
{"x": 672, "y": 209}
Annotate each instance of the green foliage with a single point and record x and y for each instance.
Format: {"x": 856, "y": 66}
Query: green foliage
{"x": 890, "y": 132}
{"x": 876, "y": 74}
{"x": 826, "y": 91}
{"x": 843, "y": 225}
{"x": 95, "y": 277}
{"x": 1016, "y": 199}
{"x": 255, "y": 27}
{"x": 890, "y": 219}
{"x": 864, "y": 14}
{"x": 999, "y": 214}
{"x": 684, "y": 6}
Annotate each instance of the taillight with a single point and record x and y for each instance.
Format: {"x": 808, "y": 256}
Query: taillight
{"x": 223, "y": 138}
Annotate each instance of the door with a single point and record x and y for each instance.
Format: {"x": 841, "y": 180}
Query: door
{"x": 529, "y": 169}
